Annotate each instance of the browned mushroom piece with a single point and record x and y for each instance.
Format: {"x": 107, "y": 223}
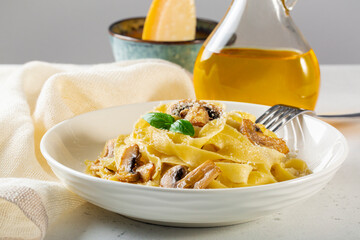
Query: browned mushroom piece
{"x": 109, "y": 148}
{"x": 129, "y": 162}
{"x": 256, "y": 136}
{"x": 197, "y": 112}
{"x": 127, "y": 177}
{"x": 200, "y": 177}
{"x": 172, "y": 176}
{"x": 197, "y": 116}
{"x": 146, "y": 171}
{"x": 183, "y": 113}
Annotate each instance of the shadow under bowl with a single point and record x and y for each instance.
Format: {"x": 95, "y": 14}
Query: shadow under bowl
{"x": 126, "y": 42}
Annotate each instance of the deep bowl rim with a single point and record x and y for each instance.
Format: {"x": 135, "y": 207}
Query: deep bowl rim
{"x": 265, "y": 187}
{"x": 131, "y": 39}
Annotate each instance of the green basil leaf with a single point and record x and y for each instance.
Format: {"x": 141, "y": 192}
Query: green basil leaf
{"x": 183, "y": 126}
{"x": 159, "y": 120}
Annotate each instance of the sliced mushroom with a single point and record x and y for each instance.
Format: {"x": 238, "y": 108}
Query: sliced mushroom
{"x": 127, "y": 177}
{"x": 130, "y": 158}
{"x": 109, "y": 148}
{"x": 200, "y": 112}
{"x": 129, "y": 162}
{"x": 256, "y": 136}
{"x": 200, "y": 177}
{"x": 197, "y": 116}
{"x": 146, "y": 171}
{"x": 183, "y": 113}
{"x": 172, "y": 176}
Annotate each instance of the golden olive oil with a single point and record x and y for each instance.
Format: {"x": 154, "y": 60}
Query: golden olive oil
{"x": 266, "y": 77}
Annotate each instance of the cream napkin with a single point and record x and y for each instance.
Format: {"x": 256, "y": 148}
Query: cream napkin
{"x": 40, "y": 95}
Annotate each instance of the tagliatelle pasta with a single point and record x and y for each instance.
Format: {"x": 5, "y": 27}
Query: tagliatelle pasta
{"x": 227, "y": 150}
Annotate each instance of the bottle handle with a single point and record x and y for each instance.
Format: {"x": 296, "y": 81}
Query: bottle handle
{"x": 289, "y": 4}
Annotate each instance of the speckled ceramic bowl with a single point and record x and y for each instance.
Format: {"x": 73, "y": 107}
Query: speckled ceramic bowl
{"x": 126, "y": 42}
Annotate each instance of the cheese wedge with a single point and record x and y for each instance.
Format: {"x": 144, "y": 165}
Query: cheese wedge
{"x": 170, "y": 20}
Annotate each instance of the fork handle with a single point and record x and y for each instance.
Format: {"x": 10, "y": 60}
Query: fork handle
{"x": 351, "y": 115}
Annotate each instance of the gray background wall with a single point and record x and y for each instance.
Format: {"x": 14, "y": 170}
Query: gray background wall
{"x": 75, "y": 31}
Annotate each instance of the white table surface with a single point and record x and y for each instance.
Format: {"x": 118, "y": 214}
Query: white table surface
{"x": 333, "y": 213}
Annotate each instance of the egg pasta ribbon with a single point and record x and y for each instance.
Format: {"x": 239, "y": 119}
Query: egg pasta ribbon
{"x": 218, "y": 146}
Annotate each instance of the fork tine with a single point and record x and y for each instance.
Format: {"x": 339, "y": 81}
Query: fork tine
{"x": 278, "y": 115}
{"x": 275, "y": 117}
{"x": 283, "y": 115}
{"x": 291, "y": 114}
{"x": 268, "y": 114}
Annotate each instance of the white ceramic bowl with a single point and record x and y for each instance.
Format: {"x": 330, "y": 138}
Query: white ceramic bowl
{"x": 68, "y": 144}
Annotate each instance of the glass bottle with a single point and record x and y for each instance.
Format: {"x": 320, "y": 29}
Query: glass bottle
{"x": 269, "y": 62}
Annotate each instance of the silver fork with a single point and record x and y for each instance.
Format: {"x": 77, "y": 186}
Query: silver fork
{"x": 278, "y": 115}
